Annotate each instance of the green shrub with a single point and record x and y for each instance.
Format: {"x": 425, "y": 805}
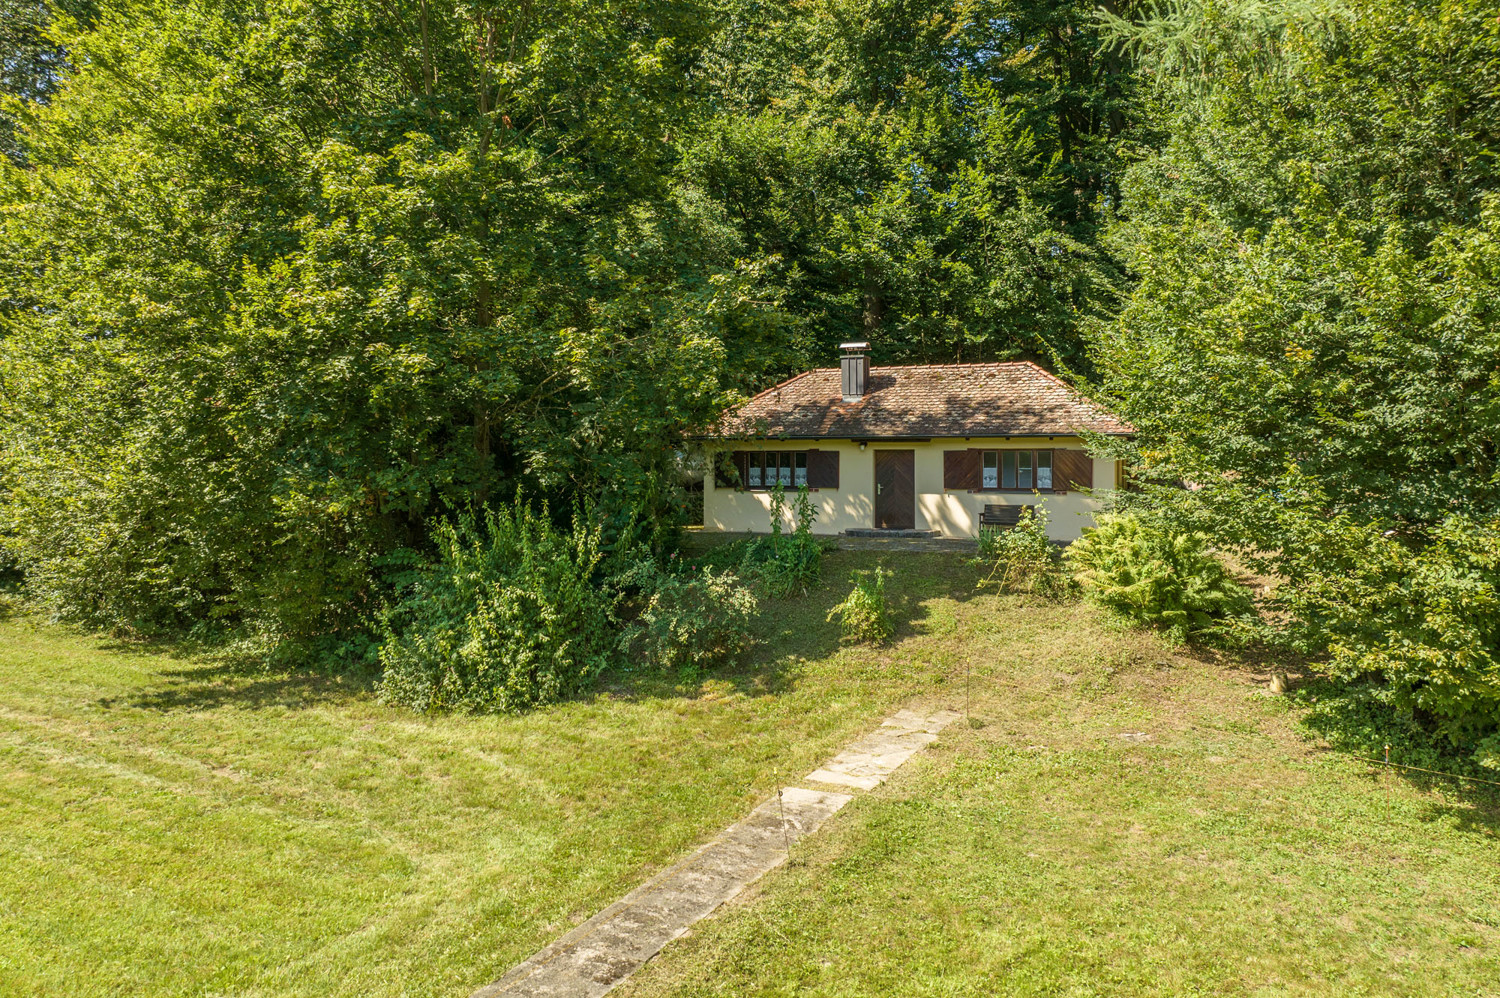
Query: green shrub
{"x": 1160, "y": 578}
{"x": 11, "y": 572}
{"x": 511, "y": 615}
{"x": 1412, "y": 626}
{"x": 1022, "y": 559}
{"x": 864, "y": 614}
{"x": 688, "y": 622}
{"x": 783, "y": 564}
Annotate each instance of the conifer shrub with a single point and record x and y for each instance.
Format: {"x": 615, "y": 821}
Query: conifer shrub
{"x": 864, "y": 614}
{"x": 1152, "y": 575}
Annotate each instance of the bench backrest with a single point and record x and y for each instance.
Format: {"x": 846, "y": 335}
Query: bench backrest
{"x": 1002, "y": 515}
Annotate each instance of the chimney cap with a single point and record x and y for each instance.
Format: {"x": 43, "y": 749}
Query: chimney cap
{"x": 854, "y": 346}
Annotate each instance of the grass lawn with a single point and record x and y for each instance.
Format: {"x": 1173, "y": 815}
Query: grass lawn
{"x": 1117, "y": 820}
{"x": 171, "y": 827}
{"x": 168, "y": 827}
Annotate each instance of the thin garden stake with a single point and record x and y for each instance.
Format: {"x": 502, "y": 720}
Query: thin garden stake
{"x": 784, "y": 836}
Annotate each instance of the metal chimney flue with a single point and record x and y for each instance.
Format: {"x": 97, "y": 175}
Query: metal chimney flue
{"x": 854, "y": 365}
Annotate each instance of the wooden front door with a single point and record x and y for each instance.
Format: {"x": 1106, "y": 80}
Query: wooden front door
{"x": 895, "y": 489}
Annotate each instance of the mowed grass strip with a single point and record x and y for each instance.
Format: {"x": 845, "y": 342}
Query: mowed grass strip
{"x": 172, "y": 827}
{"x": 1126, "y": 821}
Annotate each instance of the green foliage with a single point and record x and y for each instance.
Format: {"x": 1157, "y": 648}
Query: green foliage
{"x": 786, "y": 564}
{"x": 1311, "y": 344}
{"x": 1364, "y": 717}
{"x": 32, "y": 63}
{"x": 1152, "y": 575}
{"x": 276, "y": 290}
{"x": 688, "y": 622}
{"x": 511, "y": 615}
{"x": 11, "y": 572}
{"x": 1316, "y": 302}
{"x": 926, "y": 173}
{"x": 864, "y": 614}
{"x": 1023, "y": 559}
{"x": 1413, "y": 629}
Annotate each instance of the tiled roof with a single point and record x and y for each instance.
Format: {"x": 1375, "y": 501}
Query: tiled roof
{"x": 929, "y": 400}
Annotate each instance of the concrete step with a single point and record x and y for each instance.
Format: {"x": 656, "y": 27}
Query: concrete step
{"x": 877, "y": 532}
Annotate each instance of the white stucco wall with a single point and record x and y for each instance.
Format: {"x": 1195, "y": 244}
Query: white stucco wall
{"x": 955, "y": 513}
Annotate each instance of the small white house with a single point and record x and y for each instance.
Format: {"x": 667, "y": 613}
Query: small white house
{"x": 925, "y": 447}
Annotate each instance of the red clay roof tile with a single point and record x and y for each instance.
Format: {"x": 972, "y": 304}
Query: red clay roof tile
{"x": 928, "y": 400}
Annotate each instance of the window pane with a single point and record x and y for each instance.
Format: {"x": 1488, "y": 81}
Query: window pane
{"x": 786, "y": 469}
{"x": 800, "y": 476}
{"x": 991, "y": 479}
{"x": 1044, "y": 469}
{"x": 1023, "y": 474}
{"x": 756, "y": 460}
{"x": 1008, "y": 470}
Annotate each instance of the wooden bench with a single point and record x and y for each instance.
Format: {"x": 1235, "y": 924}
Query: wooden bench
{"x": 1004, "y": 516}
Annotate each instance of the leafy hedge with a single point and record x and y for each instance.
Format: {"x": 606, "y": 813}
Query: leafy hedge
{"x": 1412, "y": 627}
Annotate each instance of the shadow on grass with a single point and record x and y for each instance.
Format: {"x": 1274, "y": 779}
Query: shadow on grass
{"x": 788, "y": 633}
{"x": 795, "y": 630}
{"x": 219, "y": 686}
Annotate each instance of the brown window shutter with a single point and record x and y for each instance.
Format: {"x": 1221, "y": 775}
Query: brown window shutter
{"x": 822, "y": 469}
{"x": 1072, "y": 469}
{"x": 961, "y": 469}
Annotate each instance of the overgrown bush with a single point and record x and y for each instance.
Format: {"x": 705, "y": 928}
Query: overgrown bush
{"x": 1412, "y": 626}
{"x": 783, "y": 564}
{"x": 688, "y": 622}
{"x": 11, "y": 572}
{"x": 511, "y": 615}
{"x": 864, "y": 613}
{"x": 1152, "y": 575}
{"x": 1022, "y": 559}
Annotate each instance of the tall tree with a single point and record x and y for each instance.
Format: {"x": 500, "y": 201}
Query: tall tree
{"x": 928, "y": 174}
{"x": 300, "y": 274}
{"x": 1314, "y": 336}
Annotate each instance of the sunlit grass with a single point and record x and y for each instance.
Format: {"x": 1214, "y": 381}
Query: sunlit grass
{"x": 171, "y": 827}
{"x": 1119, "y": 820}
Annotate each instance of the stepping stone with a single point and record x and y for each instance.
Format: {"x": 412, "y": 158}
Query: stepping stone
{"x": 866, "y": 763}
{"x": 589, "y": 961}
{"x": 602, "y": 952}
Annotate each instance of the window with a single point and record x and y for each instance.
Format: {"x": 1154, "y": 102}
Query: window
{"x": 1019, "y": 470}
{"x": 767, "y": 469}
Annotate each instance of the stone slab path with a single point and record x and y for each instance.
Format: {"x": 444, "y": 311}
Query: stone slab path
{"x": 867, "y": 762}
{"x": 602, "y": 952}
